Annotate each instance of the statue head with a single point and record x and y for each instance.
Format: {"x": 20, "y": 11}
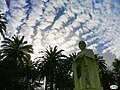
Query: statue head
{"x": 82, "y": 45}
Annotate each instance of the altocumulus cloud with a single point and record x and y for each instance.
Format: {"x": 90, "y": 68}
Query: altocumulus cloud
{"x": 65, "y": 22}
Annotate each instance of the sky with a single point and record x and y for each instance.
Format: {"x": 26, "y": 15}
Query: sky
{"x": 64, "y": 23}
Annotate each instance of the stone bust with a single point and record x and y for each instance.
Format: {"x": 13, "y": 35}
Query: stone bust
{"x": 84, "y": 51}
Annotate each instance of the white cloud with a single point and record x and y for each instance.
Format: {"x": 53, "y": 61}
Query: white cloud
{"x": 97, "y": 25}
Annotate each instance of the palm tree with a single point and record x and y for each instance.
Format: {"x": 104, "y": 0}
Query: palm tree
{"x": 116, "y": 70}
{"x": 66, "y": 81}
{"x": 51, "y": 66}
{"x": 15, "y": 57}
{"x": 106, "y": 75}
{"x": 69, "y": 61}
{"x": 16, "y": 49}
{"x": 2, "y": 25}
{"x": 101, "y": 63}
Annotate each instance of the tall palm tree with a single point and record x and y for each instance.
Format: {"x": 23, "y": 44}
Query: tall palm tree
{"x": 116, "y": 70}
{"x": 15, "y": 57}
{"x": 2, "y": 24}
{"x": 69, "y": 61}
{"x": 101, "y": 63}
{"x": 66, "y": 81}
{"x": 51, "y": 66}
{"x": 106, "y": 75}
{"x": 16, "y": 49}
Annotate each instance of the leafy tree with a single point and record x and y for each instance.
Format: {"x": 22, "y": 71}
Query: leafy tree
{"x": 2, "y": 24}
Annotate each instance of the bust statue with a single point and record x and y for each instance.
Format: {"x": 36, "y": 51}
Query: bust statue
{"x": 86, "y": 70}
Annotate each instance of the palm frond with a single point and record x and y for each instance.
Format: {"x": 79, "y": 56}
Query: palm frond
{"x": 2, "y": 25}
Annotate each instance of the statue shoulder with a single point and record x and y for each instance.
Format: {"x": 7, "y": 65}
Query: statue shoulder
{"x": 89, "y": 50}
{"x": 89, "y": 53}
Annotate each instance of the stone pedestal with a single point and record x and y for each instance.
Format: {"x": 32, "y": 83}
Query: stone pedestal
{"x": 86, "y": 74}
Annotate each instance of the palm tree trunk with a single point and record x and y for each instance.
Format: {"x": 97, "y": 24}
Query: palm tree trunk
{"x": 46, "y": 83}
{"x": 55, "y": 87}
{"x": 51, "y": 83}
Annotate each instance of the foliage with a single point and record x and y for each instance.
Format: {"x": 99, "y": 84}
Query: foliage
{"x": 55, "y": 67}
{"x": 116, "y": 71}
{"x": 16, "y": 69}
{"x": 106, "y": 75}
{"x": 2, "y": 24}
{"x": 18, "y": 72}
{"x": 17, "y": 50}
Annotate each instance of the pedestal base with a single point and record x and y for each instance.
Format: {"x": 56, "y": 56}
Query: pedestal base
{"x": 86, "y": 78}
{"x": 92, "y": 89}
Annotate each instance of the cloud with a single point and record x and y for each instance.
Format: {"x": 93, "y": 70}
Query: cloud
{"x": 109, "y": 57}
{"x": 65, "y": 23}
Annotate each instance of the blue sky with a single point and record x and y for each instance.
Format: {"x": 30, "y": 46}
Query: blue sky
{"x": 65, "y": 23}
